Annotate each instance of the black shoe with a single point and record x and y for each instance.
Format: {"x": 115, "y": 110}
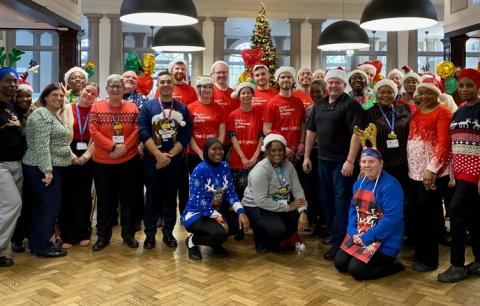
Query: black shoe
{"x": 5, "y": 261}
{"x": 149, "y": 243}
{"x": 193, "y": 252}
{"x": 260, "y": 248}
{"x": 330, "y": 255}
{"x": 453, "y": 275}
{"x": 422, "y": 267}
{"x": 100, "y": 245}
{"x": 18, "y": 247}
{"x": 131, "y": 242}
{"x": 239, "y": 235}
{"x": 169, "y": 240}
{"x": 446, "y": 239}
{"x": 52, "y": 253}
{"x": 220, "y": 251}
{"x": 326, "y": 240}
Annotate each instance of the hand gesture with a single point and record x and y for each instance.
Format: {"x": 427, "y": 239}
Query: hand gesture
{"x": 296, "y": 204}
{"x": 48, "y": 178}
{"x": 243, "y": 222}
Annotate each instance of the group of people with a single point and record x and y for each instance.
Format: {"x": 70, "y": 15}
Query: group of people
{"x": 276, "y": 160}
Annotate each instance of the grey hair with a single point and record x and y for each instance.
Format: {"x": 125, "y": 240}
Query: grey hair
{"x": 114, "y": 78}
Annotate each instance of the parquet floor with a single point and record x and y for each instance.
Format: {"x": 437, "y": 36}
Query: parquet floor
{"x": 122, "y": 276}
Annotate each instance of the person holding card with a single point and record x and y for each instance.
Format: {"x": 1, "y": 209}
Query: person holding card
{"x": 114, "y": 130}
{"x": 375, "y": 226}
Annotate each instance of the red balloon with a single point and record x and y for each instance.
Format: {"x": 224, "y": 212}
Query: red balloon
{"x": 252, "y": 57}
{"x": 145, "y": 84}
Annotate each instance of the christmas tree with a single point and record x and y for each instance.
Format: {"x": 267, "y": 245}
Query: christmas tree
{"x": 262, "y": 38}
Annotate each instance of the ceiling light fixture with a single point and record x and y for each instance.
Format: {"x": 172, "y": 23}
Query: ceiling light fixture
{"x": 178, "y": 39}
{"x": 343, "y": 35}
{"x": 404, "y": 15}
{"x": 159, "y": 12}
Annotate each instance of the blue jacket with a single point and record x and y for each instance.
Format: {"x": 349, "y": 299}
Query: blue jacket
{"x": 204, "y": 181}
{"x": 389, "y": 230}
{"x": 152, "y": 108}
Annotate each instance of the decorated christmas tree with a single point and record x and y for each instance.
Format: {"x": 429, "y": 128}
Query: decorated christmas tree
{"x": 262, "y": 38}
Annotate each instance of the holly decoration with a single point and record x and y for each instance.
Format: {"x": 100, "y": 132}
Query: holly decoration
{"x": 262, "y": 38}
{"x": 133, "y": 63}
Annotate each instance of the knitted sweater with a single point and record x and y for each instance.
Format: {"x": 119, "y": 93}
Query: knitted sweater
{"x": 429, "y": 143}
{"x": 264, "y": 188}
{"x": 209, "y": 183}
{"x": 48, "y": 141}
{"x": 102, "y": 119}
{"x": 465, "y": 131}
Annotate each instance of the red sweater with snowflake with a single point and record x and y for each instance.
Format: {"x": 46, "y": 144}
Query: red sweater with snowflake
{"x": 465, "y": 132}
{"x": 429, "y": 143}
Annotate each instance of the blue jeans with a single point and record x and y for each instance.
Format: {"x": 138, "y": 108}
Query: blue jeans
{"x": 335, "y": 193}
{"x": 45, "y": 206}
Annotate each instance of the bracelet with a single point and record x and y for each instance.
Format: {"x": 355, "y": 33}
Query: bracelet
{"x": 350, "y": 162}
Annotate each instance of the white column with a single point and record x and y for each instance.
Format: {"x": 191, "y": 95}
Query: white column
{"x": 295, "y": 37}
{"x": 402, "y": 48}
{"x": 305, "y": 45}
{"x": 116, "y": 44}
{"x": 218, "y": 38}
{"x": 392, "y": 51}
{"x": 93, "y": 42}
{"x": 197, "y": 57}
{"x": 103, "y": 65}
{"x": 413, "y": 49}
{"x": 316, "y": 57}
{"x": 208, "y": 58}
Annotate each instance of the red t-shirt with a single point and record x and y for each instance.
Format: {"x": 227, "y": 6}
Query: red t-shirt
{"x": 286, "y": 116}
{"x": 224, "y": 99}
{"x": 184, "y": 93}
{"x": 304, "y": 97}
{"x": 84, "y": 111}
{"x": 261, "y": 97}
{"x": 206, "y": 119}
{"x": 247, "y": 127}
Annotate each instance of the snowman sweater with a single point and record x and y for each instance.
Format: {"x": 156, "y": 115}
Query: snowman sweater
{"x": 208, "y": 183}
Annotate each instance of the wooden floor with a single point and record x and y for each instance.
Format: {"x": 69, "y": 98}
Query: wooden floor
{"x": 122, "y": 276}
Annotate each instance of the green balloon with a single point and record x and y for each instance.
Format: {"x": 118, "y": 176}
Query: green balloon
{"x": 451, "y": 85}
{"x": 132, "y": 62}
{"x": 90, "y": 71}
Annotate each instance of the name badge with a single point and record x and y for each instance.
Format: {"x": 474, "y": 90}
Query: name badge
{"x": 392, "y": 143}
{"x": 81, "y": 146}
{"x": 118, "y": 139}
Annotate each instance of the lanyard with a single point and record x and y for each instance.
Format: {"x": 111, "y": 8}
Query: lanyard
{"x": 281, "y": 175}
{"x": 374, "y": 186}
{"x": 81, "y": 128}
{"x": 390, "y": 125}
{"x": 164, "y": 115}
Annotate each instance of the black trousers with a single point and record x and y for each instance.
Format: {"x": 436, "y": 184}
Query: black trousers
{"x": 76, "y": 208}
{"x": 206, "y": 231}
{"x": 183, "y": 181}
{"x": 161, "y": 196}
{"x": 140, "y": 195}
{"x": 22, "y": 228}
{"x": 427, "y": 220}
{"x": 309, "y": 182}
{"x": 192, "y": 161}
{"x": 380, "y": 265}
{"x": 270, "y": 227}
{"x": 240, "y": 181}
{"x": 114, "y": 184}
{"x": 464, "y": 214}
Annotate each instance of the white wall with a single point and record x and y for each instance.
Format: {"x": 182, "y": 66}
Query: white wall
{"x": 461, "y": 19}
{"x": 68, "y": 9}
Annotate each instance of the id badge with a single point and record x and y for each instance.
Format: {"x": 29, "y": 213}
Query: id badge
{"x": 392, "y": 143}
{"x": 118, "y": 139}
{"x": 81, "y": 146}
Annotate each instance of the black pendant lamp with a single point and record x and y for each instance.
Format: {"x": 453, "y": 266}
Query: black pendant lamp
{"x": 398, "y": 15}
{"x": 343, "y": 35}
{"x": 178, "y": 39}
{"x": 159, "y": 12}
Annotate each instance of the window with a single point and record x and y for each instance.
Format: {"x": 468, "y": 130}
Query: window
{"x": 473, "y": 52}
{"x": 430, "y": 48}
{"x": 42, "y": 47}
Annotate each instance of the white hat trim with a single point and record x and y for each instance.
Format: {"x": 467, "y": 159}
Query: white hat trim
{"x": 273, "y": 137}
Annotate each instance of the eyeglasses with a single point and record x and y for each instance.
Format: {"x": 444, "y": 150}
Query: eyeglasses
{"x": 115, "y": 86}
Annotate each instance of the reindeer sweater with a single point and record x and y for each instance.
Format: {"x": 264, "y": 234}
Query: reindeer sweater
{"x": 208, "y": 182}
{"x": 465, "y": 132}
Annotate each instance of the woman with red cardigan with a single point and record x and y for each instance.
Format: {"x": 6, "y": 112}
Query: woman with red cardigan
{"x": 428, "y": 150}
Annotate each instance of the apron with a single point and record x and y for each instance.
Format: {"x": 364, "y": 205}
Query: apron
{"x": 368, "y": 216}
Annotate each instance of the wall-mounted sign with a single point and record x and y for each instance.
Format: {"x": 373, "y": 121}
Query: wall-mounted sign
{"x": 458, "y": 5}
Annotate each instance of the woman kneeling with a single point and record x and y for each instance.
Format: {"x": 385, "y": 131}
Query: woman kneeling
{"x": 275, "y": 219}
{"x": 207, "y": 215}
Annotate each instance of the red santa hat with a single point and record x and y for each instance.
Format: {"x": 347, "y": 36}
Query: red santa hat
{"x": 395, "y": 71}
{"x": 273, "y": 136}
{"x": 409, "y": 73}
{"x": 368, "y": 67}
{"x": 472, "y": 74}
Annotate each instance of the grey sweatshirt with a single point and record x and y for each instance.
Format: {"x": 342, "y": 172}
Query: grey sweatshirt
{"x": 263, "y": 187}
